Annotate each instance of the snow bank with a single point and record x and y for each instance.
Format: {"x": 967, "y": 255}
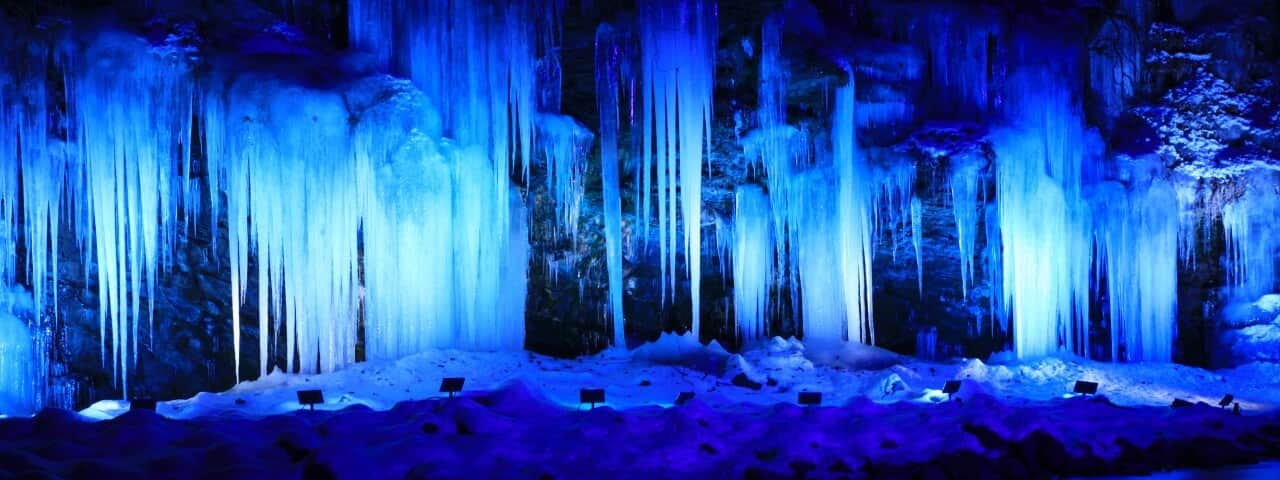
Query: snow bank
{"x": 518, "y": 433}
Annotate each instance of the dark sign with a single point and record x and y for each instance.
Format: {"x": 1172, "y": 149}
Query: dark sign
{"x": 451, "y": 385}
{"x": 1086, "y": 388}
{"x": 684, "y": 398}
{"x": 142, "y": 404}
{"x": 951, "y": 387}
{"x": 591, "y": 395}
{"x": 810, "y": 398}
{"x": 310, "y": 398}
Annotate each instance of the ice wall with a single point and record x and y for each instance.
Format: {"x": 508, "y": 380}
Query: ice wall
{"x": 345, "y": 201}
{"x": 283, "y": 151}
{"x": 678, "y": 48}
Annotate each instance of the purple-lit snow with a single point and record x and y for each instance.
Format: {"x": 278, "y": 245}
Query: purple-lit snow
{"x": 883, "y": 415}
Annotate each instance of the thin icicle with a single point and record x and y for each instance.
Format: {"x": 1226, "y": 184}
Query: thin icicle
{"x": 611, "y": 56}
{"x": 917, "y": 238}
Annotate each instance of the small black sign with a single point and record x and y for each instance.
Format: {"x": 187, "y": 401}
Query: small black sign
{"x": 310, "y": 398}
{"x": 591, "y": 396}
{"x": 1086, "y": 388}
{"x": 142, "y": 403}
{"x": 451, "y": 385}
{"x": 684, "y": 398}
{"x": 951, "y": 387}
{"x": 809, "y": 398}
{"x": 1226, "y": 401}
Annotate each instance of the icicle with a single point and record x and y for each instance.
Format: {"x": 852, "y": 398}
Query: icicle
{"x": 677, "y": 44}
{"x": 1138, "y": 241}
{"x": 1252, "y": 240}
{"x": 1043, "y": 219}
{"x": 917, "y": 238}
{"x": 565, "y": 144}
{"x": 610, "y": 57}
{"x": 964, "y": 205}
{"x": 293, "y": 203}
{"x": 854, "y": 210}
{"x": 130, "y": 130}
{"x": 752, "y": 244}
{"x": 778, "y": 147}
{"x": 1189, "y": 221}
{"x": 22, "y": 139}
{"x": 956, "y": 42}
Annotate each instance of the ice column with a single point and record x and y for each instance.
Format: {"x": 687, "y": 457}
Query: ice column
{"x": 855, "y": 219}
{"x": 917, "y": 239}
{"x": 1138, "y": 242}
{"x": 1044, "y": 223}
{"x": 677, "y": 45}
{"x": 610, "y": 56}
{"x": 752, "y": 261}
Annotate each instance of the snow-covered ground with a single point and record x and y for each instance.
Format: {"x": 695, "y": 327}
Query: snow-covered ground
{"x": 654, "y": 374}
{"x": 883, "y": 415}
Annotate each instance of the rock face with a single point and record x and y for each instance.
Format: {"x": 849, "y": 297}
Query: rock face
{"x": 1189, "y": 85}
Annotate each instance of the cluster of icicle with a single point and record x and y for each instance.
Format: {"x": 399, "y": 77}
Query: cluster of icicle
{"x": 373, "y": 203}
{"x": 1068, "y": 226}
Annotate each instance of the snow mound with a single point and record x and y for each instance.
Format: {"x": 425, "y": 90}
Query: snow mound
{"x": 1254, "y": 343}
{"x": 852, "y": 355}
{"x": 675, "y": 349}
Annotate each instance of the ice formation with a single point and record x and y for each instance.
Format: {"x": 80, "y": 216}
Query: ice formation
{"x": 1137, "y": 229}
{"x": 382, "y": 210}
{"x": 677, "y": 47}
{"x": 1044, "y": 223}
{"x": 565, "y": 145}
{"x": 1252, "y": 239}
{"x": 854, "y": 207}
{"x": 610, "y": 58}
{"x": 963, "y": 184}
{"x": 752, "y": 241}
{"x": 17, "y": 364}
{"x": 131, "y": 120}
{"x": 917, "y": 239}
